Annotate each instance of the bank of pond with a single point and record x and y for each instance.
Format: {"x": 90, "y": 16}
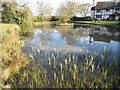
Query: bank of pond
{"x": 65, "y": 56}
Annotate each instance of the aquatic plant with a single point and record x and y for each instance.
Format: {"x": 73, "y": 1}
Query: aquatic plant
{"x": 67, "y": 73}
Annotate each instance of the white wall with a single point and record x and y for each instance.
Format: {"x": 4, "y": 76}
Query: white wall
{"x": 104, "y": 14}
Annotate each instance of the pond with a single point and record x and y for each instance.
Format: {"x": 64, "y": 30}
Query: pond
{"x": 75, "y": 40}
{"x": 72, "y": 56}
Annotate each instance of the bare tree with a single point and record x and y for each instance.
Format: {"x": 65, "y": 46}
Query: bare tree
{"x": 84, "y": 9}
{"x": 43, "y": 9}
{"x": 67, "y": 9}
{"x": 62, "y": 10}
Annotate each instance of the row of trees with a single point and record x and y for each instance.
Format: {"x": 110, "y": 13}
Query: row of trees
{"x": 70, "y": 9}
{"x": 66, "y": 10}
{"x": 21, "y": 14}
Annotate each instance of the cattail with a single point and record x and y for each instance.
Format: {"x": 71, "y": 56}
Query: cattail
{"x": 69, "y": 59}
{"x": 73, "y": 57}
{"x": 76, "y": 57}
{"x": 87, "y": 61}
{"x": 74, "y": 76}
{"x": 92, "y": 68}
{"x": 62, "y": 77}
{"x": 65, "y": 61}
{"x": 91, "y": 61}
{"x": 54, "y": 63}
{"x": 32, "y": 48}
{"x": 40, "y": 44}
{"x": 105, "y": 50}
{"x": 54, "y": 59}
{"x": 38, "y": 51}
{"x": 57, "y": 81}
{"x": 102, "y": 57}
{"x": 54, "y": 76}
{"x": 52, "y": 54}
{"x": 31, "y": 56}
{"x": 49, "y": 61}
{"x": 75, "y": 66}
{"x": 61, "y": 66}
{"x": 92, "y": 58}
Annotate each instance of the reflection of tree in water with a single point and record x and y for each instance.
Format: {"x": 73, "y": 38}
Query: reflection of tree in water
{"x": 70, "y": 34}
{"x": 45, "y": 36}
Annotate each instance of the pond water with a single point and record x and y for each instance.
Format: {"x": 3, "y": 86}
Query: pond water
{"x": 71, "y": 57}
{"x": 82, "y": 39}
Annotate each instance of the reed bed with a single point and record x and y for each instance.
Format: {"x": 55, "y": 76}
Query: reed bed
{"x": 69, "y": 72}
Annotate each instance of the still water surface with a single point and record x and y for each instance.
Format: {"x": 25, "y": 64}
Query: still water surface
{"x": 77, "y": 40}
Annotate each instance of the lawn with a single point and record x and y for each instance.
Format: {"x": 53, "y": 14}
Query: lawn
{"x": 4, "y": 28}
{"x": 114, "y": 24}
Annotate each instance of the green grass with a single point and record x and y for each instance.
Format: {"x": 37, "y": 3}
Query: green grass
{"x": 114, "y": 24}
{"x": 4, "y": 28}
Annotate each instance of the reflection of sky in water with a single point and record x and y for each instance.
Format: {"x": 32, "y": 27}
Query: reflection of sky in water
{"x": 99, "y": 46}
{"x": 46, "y": 40}
{"x": 57, "y": 40}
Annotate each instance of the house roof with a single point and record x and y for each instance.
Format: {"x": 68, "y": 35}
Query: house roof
{"x": 114, "y": 7}
{"x": 118, "y": 3}
{"x": 104, "y": 5}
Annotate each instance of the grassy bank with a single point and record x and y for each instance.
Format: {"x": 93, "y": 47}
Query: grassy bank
{"x": 55, "y": 23}
{"x": 114, "y": 24}
{"x": 13, "y": 58}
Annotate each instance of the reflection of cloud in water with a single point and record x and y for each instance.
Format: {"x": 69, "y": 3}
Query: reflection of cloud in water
{"x": 83, "y": 39}
{"x": 66, "y": 49}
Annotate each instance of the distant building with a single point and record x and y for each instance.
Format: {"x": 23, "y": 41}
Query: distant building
{"x": 106, "y": 11}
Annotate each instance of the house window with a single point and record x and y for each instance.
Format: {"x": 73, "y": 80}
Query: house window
{"x": 98, "y": 16}
{"x": 107, "y": 9}
{"x": 98, "y": 11}
{"x": 116, "y": 9}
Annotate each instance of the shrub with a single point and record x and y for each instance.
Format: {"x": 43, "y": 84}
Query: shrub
{"x": 13, "y": 13}
{"x": 81, "y": 18}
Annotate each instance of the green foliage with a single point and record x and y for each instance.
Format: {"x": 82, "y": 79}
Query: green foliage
{"x": 13, "y": 13}
{"x": 8, "y": 12}
{"x": 54, "y": 18}
{"x": 87, "y": 18}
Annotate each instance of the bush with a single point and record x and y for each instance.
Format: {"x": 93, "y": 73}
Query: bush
{"x": 81, "y": 18}
{"x": 42, "y": 18}
{"x": 54, "y": 18}
{"x": 13, "y": 13}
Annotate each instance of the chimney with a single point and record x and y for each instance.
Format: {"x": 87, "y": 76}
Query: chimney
{"x": 93, "y": 3}
{"x": 115, "y": 2}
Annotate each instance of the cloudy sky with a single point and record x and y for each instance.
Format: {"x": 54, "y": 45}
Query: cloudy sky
{"x": 55, "y": 3}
